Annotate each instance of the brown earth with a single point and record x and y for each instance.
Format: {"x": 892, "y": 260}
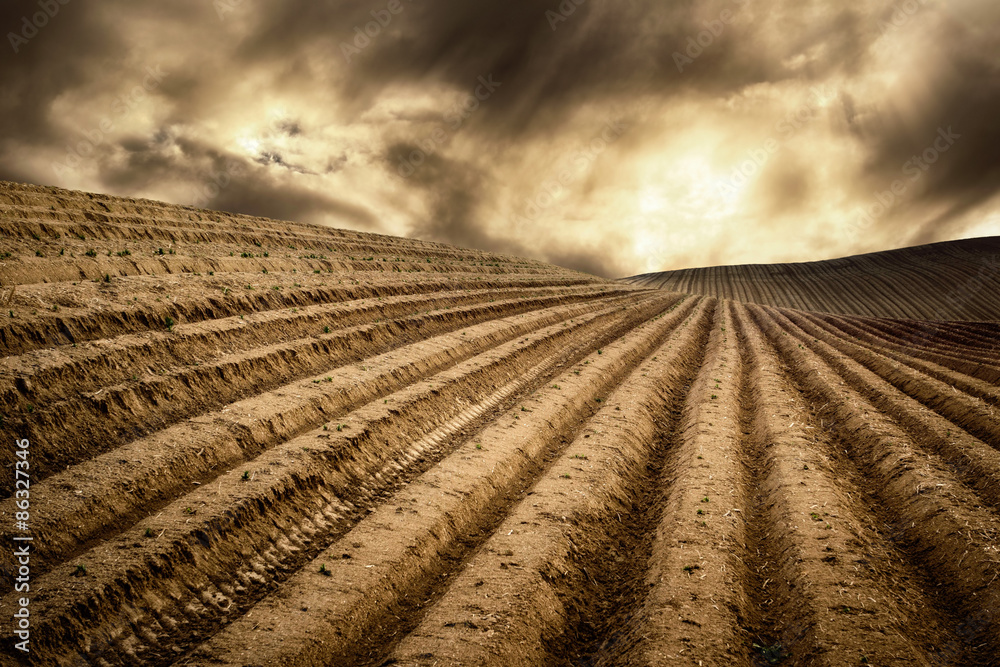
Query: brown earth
{"x": 953, "y": 280}
{"x": 350, "y": 449}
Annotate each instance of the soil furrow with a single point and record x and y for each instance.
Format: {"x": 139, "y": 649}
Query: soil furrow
{"x": 444, "y": 514}
{"x": 44, "y": 376}
{"x": 957, "y": 280}
{"x": 29, "y": 271}
{"x": 202, "y": 448}
{"x": 115, "y": 314}
{"x": 975, "y": 461}
{"x": 932, "y": 336}
{"x": 933, "y": 518}
{"x": 291, "y": 495}
{"x": 687, "y": 592}
{"x": 241, "y": 441}
{"x": 545, "y": 587}
{"x": 974, "y": 379}
{"x": 972, "y": 414}
{"x": 70, "y": 224}
{"x": 120, "y": 413}
{"x": 814, "y": 604}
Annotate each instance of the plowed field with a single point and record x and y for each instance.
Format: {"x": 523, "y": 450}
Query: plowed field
{"x": 953, "y": 280}
{"x": 260, "y": 443}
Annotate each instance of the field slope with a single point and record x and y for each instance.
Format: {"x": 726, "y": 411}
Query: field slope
{"x": 255, "y": 442}
{"x": 954, "y": 280}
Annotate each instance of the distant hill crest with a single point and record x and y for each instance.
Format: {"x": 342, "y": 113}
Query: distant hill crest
{"x": 952, "y": 280}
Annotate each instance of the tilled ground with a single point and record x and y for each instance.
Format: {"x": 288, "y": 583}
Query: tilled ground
{"x": 951, "y": 280}
{"x": 345, "y": 449}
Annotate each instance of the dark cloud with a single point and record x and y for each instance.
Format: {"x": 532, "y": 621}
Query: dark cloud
{"x": 939, "y": 134}
{"x": 10, "y": 172}
{"x": 594, "y": 263}
{"x": 267, "y": 158}
{"x": 256, "y": 194}
{"x": 38, "y": 64}
{"x": 229, "y": 183}
{"x": 550, "y": 56}
{"x": 455, "y": 193}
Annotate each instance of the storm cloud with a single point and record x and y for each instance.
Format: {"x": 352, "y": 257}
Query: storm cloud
{"x": 740, "y": 130}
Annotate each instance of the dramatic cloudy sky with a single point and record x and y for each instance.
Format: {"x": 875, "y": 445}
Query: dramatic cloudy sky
{"x": 613, "y": 136}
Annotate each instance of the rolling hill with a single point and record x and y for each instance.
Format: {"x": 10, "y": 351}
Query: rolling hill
{"x": 240, "y": 441}
{"x": 954, "y": 280}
